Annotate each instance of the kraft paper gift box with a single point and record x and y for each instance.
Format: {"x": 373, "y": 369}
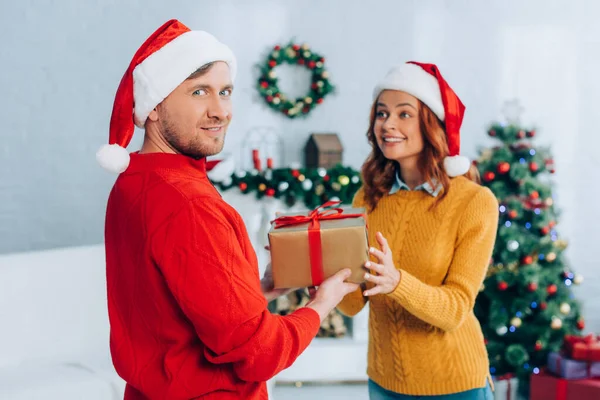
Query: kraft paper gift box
{"x": 309, "y": 247}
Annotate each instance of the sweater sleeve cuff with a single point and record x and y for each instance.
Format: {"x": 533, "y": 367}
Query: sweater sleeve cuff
{"x": 408, "y": 286}
{"x": 309, "y": 320}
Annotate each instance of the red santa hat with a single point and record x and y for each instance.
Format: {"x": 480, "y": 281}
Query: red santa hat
{"x": 165, "y": 60}
{"x": 425, "y": 82}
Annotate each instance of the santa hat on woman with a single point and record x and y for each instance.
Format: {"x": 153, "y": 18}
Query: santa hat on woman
{"x": 425, "y": 82}
{"x": 165, "y": 60}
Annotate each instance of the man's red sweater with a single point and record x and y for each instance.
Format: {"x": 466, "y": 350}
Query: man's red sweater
{"x": 188, "y": 318}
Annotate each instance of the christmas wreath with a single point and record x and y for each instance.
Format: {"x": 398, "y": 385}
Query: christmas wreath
{"x": 297, "y": 55}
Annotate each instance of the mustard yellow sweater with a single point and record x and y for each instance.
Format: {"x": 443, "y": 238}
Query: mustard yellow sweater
{"x": 424, "y": 338}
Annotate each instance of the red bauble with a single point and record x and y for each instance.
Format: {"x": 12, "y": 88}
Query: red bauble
{"x": 319, "y": 100}
{"x": 512, "y": 214}
{"x": 305, "y": 110}
{"x": 503, "y": 167}
{"x": 270, "y": 192}
{"x": 527, "y": 260}
{"x": 485, "y": 341}
{"x": 531, "y": 133}
{"x": 533, "y": 167}
{"x": 521, "y": 134}
{"x": 295, "y": 173}
{"x": 502, "y": 286}
{"x": 301, "y": 61}
{"x": 538, "y": 346}
{"x": 326, "y": 178}
{"x": 322, "y": 59}
{"x": 311, "y": 64}
{"x": 277, "y": 48}
{"x": 269, "y": 98}
{"x": 264, "y": 84}
{"x": 489, "y": 176}
{"x": 532, "y": 287}
{"x": 314, "y": 86}
{"x": 492, "y": 133}
{"x": 296, "y": 47}
{"x": 543, "y": 306}
{"x": 551, "y": 289}
{"x": 581, "y": 324}
{"x": 552, "y": 224}
{"x": 243, "y": 186}
{"x": 272, "y": 63}
{"x": 534, "y": 195}
{"x": 545, "y": 230}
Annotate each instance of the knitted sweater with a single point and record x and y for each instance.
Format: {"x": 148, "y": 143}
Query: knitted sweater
{"x": 424, "y": 338}
{"x": 188, "y": 318}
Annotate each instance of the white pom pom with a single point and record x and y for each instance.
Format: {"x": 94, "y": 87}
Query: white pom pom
{"x": 222, "y": 171}
{"x": 113, "y": 158}
{"x": 456, "y": 165}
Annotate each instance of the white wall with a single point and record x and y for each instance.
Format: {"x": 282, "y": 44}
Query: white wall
{"x": 60, "y": 63}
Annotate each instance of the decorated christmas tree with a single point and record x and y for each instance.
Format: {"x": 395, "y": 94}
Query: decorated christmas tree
{"x": 526, "y": 304}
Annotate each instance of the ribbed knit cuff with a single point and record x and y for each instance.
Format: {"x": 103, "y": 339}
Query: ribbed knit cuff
{"x": 310, "y": 320}
{"x": 408, "y": 286}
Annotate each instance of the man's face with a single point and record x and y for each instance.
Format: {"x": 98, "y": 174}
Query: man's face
{"x": 195, "y": 116}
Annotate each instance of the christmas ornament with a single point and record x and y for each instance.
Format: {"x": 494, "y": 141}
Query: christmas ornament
{"x": 551, "y": 289}
{"x": 556, "y": 323}
{"x": 532, "y": 287}
{"x": 492, "y": 133}
{"x": 521, "y": 134}
{"x": 344, "y": 180}
{"x": 550, "y": 257}
{"x": 549, "y": 202}
{"x": 355, "y": 179}
{"x": 527, "y": 260}
{"x": 502, "y": 330}
{"x": 283, "y": 186}
{"x": 533, "y": 167}
{"x": 307, "y": 185}
{"x": 262, "y": 187}
{"x": 578, "y": 280}
{"x": 502, "y": 286}
{"x": 243, "y": 186}
{"x": 543, "y": 306}
{"x": 534, "y": 195}
{"x": 565, "y": 308}
{"x": 489, "y": 176}
{"x": 270, "y": 192}
{"x": 294, "y": 54}
{"x": 516, "y": 322}
{"x": 581, "y": 324}
{"x": 545, "y": 230}
{"x": 512, "y": 214}
{"x": 538, "y": 346}
{"x": 512, "y": 245}
{"x": 503, "y": 167}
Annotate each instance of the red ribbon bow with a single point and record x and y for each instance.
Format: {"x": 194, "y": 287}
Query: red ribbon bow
{"x": 314, "y": 233}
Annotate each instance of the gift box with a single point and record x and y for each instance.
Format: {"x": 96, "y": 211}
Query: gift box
{"x": 309, "y": 247}
{"x": 544, "y": 386}
{"x": 584, "y": 348}
{"x": 505, "y": 387}
{"x": 567, "y": 368}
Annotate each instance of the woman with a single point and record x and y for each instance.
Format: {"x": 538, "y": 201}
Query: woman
{"x": 436, "y": 228}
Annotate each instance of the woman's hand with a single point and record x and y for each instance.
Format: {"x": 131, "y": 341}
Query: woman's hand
{"x": 387, "y": 276}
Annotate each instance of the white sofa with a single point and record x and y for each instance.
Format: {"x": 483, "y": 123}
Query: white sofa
{"x": 54, "y": 335}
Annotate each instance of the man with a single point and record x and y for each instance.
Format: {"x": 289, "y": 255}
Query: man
{"x": 188, "y": 316}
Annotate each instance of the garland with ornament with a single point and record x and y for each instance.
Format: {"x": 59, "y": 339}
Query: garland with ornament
{"x": 300, "y": 55}
{"x": 312, "y": 186}
{"x": 526, "y": 304}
